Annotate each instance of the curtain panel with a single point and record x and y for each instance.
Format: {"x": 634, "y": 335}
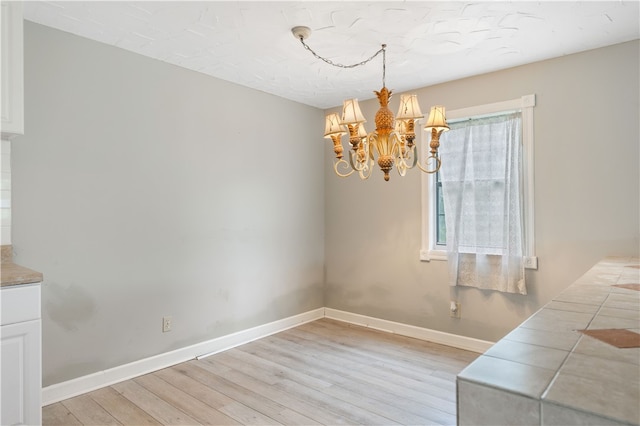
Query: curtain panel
{"x": 482, "y": 192}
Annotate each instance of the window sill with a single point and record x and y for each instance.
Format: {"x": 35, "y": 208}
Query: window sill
{"x": 530, "y": 262}
{"x": 429, "y": 255}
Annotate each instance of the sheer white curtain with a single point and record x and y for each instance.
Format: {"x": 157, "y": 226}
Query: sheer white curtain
{"x": 481, "y": 185}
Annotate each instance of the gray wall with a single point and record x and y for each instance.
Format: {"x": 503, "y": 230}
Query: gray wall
{"x": 130, "y": 197}
{"x": 586, "y": 198}
{"x": 141, "y": 190}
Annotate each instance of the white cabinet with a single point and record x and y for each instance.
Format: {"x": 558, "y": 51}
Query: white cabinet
{"x": 12, "y": 89}
{"x": 20, "y": 355}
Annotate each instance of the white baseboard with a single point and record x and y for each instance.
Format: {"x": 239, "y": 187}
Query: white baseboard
{"x": 454, "y": 340}
{"x": 71, "y": 388}
{"x": 88, "y": 383}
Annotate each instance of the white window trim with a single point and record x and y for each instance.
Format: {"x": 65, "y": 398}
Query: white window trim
{"x": 429, "y": 250}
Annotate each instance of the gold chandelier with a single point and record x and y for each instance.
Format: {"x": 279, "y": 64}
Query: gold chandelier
{"x": 392, "y": 142}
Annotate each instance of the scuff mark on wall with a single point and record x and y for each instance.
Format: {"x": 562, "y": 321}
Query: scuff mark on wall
{"x": 69, "y": 306}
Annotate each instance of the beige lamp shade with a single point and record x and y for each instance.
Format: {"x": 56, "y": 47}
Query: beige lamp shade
{"x": 401, "y": 127}
{"x": 332, "y": 126}
{"x": 361, "y": 131}
{"x": 351, "y": 113}
{"x": 437, "y": 119}
{"x": 409, "y": 108}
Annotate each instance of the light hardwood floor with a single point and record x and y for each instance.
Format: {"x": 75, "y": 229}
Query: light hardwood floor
{"x": 324, "y": 372}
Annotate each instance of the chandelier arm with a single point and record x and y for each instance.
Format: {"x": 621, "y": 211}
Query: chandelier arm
{"x": 345, "y": 165}
{"x": 370, "y": 160}
{"x": 438, "y": 164}
{"x": 411, "y": 155}
{"x": 357, "y": 166}
{"x": 414, "y": 155}
{"x": 372, "y": 140}
{"x": 363, "y": 173}
{"x": 367, "y": 148}
{"x": 400, "y": 159}
{"x": 401, "y": 166}
{"x": 330, "y": 62}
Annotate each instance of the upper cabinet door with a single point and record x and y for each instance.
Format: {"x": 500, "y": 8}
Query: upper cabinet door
{"x": 12, "y": 75}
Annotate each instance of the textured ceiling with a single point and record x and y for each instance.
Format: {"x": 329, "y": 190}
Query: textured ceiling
{"x": 250, "y": 43}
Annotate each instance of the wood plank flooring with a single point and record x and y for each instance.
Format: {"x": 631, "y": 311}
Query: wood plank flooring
{"x": 324, "y": 372}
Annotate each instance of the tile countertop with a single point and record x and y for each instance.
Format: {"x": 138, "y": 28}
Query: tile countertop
{"x": 14, "y": 274}
{"x": 568, "y": 375}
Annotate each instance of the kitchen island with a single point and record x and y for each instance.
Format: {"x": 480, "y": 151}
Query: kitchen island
{"x": 575, "y": 361}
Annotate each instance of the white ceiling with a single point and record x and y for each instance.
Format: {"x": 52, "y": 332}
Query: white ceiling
{"x": 250, "y": 43}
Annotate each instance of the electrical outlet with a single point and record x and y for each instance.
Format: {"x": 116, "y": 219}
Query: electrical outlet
{"x": 454, "y": 309}
{"x": 166, "y": 324}
{"x": 531, "y": 262}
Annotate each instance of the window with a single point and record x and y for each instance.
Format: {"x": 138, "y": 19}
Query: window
{"x": 481, "y": 186}
{"x": 434, "y": 234}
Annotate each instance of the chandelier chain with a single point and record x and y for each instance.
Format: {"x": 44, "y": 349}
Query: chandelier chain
{"x": 330, "y": 62}
{"x": 384, "y": 65}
